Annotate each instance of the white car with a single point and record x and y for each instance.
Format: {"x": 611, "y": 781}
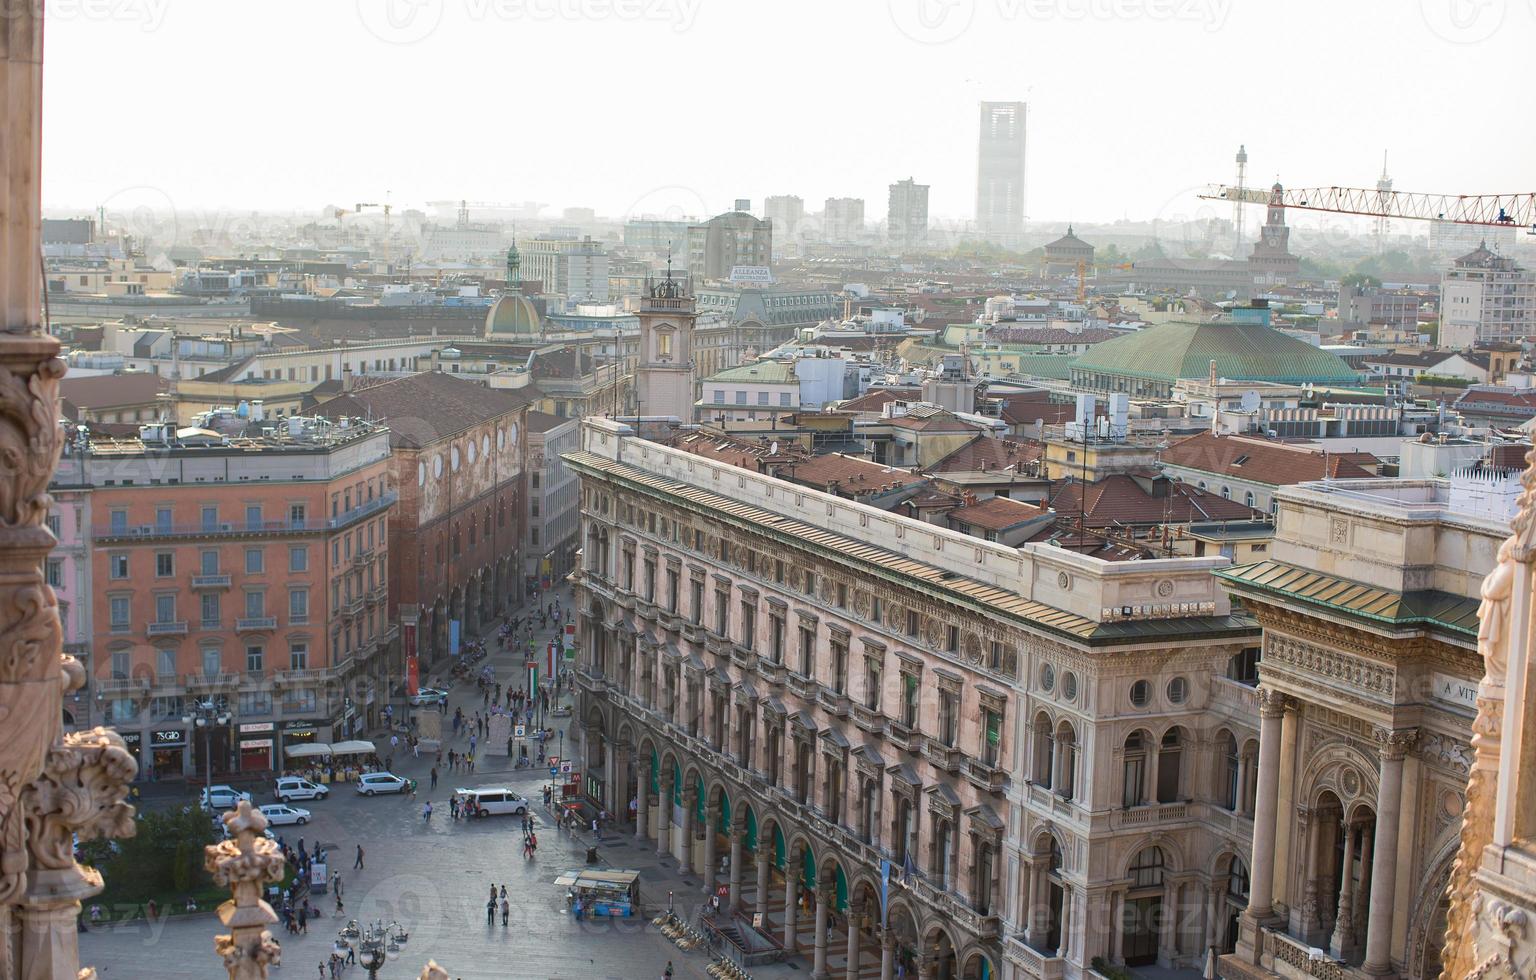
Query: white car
{"x": 278, "y": 814}
{"x": 491, "y": 800}
{"x": 381, "y": 782}
{"x": 298, "y": 788}
{"x": 222, "y": 798}
{"x": 429, "y": 695}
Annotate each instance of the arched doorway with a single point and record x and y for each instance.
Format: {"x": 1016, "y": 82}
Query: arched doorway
{"x": 1143, "y": 916}
{"x": 939, "y": 950}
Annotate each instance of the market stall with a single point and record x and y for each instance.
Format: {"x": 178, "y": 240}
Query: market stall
{"x": 614, "y": 893}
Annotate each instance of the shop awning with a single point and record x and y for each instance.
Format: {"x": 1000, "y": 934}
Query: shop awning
{"x": 356, "y": 747}
{"x": 307, "y": 749}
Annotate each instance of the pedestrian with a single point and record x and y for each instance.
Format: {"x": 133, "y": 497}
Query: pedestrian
{"x": 322, "y": 971}
{"x": 303, "y": 919}
{"x": 490, "y": 912}
{"x": 359, "y": 862}
{"x": 594, "y": 829}
{"x": 509, "y": 746}
{"x": 434, "y": 777}
{"x": 394, "y": 743}
{"x": 668, "y": 975}
{"x": 339, "y": 909}
{"x": 351, "y": 959}
{"x": 503, "y": 893}
{"x": 426, "y": 812}
{"x": 415, "y": 747}
{"x": 505, "y": 909}
{"x": 336, "y": 882}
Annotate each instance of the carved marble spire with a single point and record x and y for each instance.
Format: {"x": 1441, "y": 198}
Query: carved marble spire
{"x": 1481, "y": 930}
{"x": 245, "y": 862}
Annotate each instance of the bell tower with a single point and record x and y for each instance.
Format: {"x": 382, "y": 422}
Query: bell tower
{"x": 664, "y": 382}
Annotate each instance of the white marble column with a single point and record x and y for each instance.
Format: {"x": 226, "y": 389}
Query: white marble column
{"x": 764, "y": 869}
{"x": 685, "y": 859}
{"x": 711, "y": 828}
{"x": 1065, "y": 948}
{"x": 887, "y": 954}
{"x": 1272, "y": 706}
{"x": 664, "y": 817}
{"x": 1032, "y": 933}
{"x": 823, "y": 910}
{"x": 1389, "y": 796}
{"x": 1117, "y": 927}
{"x": 733, "y": 897}
{"x": 1343, "y": 923}
{"x": 642, "y": 803}
{"x": 851, "y": 953}
{"x": 792, "y": 864}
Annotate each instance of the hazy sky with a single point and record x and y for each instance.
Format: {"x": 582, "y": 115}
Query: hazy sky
{"x": 631, "y": 106}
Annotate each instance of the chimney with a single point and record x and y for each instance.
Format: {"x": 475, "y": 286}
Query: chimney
{"x": 346, "y": 377}
{"x": 1213, "y": 370}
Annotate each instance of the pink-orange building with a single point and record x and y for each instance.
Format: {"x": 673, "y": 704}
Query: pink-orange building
{"x": 244, "y": 577}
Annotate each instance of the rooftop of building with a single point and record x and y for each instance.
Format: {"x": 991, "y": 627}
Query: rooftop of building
{"x": 1123, "y": 499}
{"x": 1240, "y": 350}
{"x": 1260, "y": 460}
{"x": 423, "y": 408}
{"x": 108, "y": 391}
{"x": 997, "y": 513}
{"x": 758, "y": 372}
{"x": 989, "y": 453}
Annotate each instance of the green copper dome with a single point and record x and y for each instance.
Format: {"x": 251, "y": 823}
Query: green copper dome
{"x": 1242, "y": 352}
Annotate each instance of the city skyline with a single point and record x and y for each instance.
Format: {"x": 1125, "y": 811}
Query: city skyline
{"x": 1092, "y": 119}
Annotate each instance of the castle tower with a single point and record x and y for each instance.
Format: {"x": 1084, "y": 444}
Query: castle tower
{"x": 664, "y": 382}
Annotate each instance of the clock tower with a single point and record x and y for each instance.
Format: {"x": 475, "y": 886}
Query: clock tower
{"x": 664, "y": 382}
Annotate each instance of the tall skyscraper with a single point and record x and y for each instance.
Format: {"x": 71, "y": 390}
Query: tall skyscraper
{"x": 842, "y": 220}
{"x": 906, "y": 219}
{"x": 784, "y": 212}
{"x": 1000, "y": 172}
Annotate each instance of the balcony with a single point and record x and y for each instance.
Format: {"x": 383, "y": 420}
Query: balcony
{"x": 210, "y": 581}
{"x": 378, "y": 594}
{"x": 773, "y": 673}
{"x": 669, "y": 621}
{"x": 623, "y": 598}
{"x": 170, "y": 628}
{"x": 122, "y": 685}
{"x": 1152, "y": 813}
{"x": 988, "y": 777}
{"x": 803, "y": 687}
{"x": 353, "y": 606}
{"x": 869, "y": 719}
{"x": 1298, "y": 957}
{"x": 255, "y": 624}
{"x": 692, "y": 632}
{"x": 742, "y": 657}
{"x": 362, "y": 556}
{"x": 943, "y": 757}
{"x": 1047, "y": 966}
{"x": 903, "y": 737}
{"x": 646, "y": 609}
{"x": 835, "y": 702}
{"x": 212, "y": 682}
{"x": 359, "y": 512}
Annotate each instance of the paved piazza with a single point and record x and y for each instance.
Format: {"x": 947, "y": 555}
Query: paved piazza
{"x": 433, "y": 878}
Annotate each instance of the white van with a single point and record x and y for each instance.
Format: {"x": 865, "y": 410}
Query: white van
{"x": 491, "y": 800}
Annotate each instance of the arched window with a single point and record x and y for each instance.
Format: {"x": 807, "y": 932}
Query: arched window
{"x": 1045, "y": 751}
{"x": 1133, "y": 779}
{"x": 1230, "y": 786}
{"x": 1066, "y": 760}
{"x": 943, "y": 844}
{"x": 1248, "y": 499}
{"x": 1169, "y": 767}
{"x": 1226, "y": 493}
{"x": 1237, "y": 881}
{"x": 1147, "y": 868}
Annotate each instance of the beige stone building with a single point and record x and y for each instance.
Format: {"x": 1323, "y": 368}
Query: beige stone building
{"x": 1369, "y": 689}
{"x": 970, "y": 756}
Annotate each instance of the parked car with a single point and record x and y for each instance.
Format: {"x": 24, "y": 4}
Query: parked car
{"x": 278, "y": 814}
{"x": 492, "y": 800}
{"x": 222, "y": 798}
{"x": 298, "y": 788}
{"x": 429, "y": 696}
{"x": 371, "y": 783}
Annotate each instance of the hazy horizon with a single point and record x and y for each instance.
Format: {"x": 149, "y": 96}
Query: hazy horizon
{"x": 655, "y": 106}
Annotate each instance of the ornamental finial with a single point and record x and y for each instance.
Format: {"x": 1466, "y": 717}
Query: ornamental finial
{"x": 246, "y": 862}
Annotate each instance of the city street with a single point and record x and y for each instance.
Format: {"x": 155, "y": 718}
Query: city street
{"x": 433, "y": 878}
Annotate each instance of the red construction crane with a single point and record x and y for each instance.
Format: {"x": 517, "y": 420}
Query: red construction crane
{"x": 1493, "y": 210}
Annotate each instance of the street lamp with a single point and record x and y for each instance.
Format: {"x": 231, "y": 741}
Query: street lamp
{"x": 204, "y": 715}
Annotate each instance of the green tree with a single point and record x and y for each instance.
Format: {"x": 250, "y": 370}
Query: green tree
{"x": 1360, "y": 279}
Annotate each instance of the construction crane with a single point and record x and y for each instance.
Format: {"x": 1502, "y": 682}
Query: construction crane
{"x": 1490, "y": 210}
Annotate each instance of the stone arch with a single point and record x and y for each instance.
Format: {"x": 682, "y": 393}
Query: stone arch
{"x": 976, "y": 962}
{"x": 1426, "y": 923}
{"x": 902, "y": 921}
{"x": 1173, "y": 856}
{"x": 939, "y": 947}
{"x": 1342, "y": 769}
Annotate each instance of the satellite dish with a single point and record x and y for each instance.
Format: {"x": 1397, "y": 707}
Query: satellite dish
{"x": 1250, "y": 402}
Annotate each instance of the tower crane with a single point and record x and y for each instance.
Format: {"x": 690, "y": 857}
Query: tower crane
{"x": 1082, "y": 276}
{"x": 1488, "y": 210}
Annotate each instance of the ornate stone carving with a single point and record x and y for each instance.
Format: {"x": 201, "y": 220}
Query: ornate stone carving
{"x": 246, "y": 862}
{"x": 1273, "y": 703}
{"x": 1331, "y": 665}
{"x": 1394, "y": 743}
{"x": 1447, "y": 752}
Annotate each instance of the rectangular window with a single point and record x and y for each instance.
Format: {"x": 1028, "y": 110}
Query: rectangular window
{"x": 696, "y": 602}
{"x": 255, "y": 702}
{"x": 208, "y": 562}
{"x": 991, "y": 736}
{"x": 255, "y": 605}
{"x": 119, "y": 521}
{"x": 210, "y": 603}
{"x": 741, "y": 397}
{"x": 909, "y": 692}
{"x": 783, "y": 399}
{"x": 55, "y": 525}
{"x": 840, "y": 667}
{"x": 297, "y": 515}
{"x": 255, "y": 562}
{"x": 807, "y": 651}
{"x": 120, "y": 612}
{"x": 722, "y": 613}
{"x": 162, "y": 518}
{"x": 298, "y": 559}
{"x": 120, "y": 663}
{"x": 117, "y": 565}
{"x": 165, "y": 609}
{"x": 213, "y": 664}
{"x": 748, "y": 624}
{"x": 952, "y": 639}
{"x": 254, "y": 659}
{"x": 253, "y": 515}
{"x": 762, "y": 397}
{"x": 298, "y": 606}
{"x": 165, "y": 564}
{"x": 298, "y": 656}
{"x": 54, "y": 570}
{"x": 210, "y": 518}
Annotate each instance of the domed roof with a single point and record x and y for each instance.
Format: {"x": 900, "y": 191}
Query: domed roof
{"x": 513, "y": 313}
{"x": 1242, "y": 352}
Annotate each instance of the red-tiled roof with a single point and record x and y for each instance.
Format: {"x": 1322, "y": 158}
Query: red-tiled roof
{"x": 110, "y": 390}
{"x": 988, "y": 453}
{"x": 997, "y": 514}
{"x": 876, "y": 400}
{"x": 848, "y": 475}
{"x": 420, "y": 409}
{"x": 1259, "y": 460}
{"x": 1122, "y": 500}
